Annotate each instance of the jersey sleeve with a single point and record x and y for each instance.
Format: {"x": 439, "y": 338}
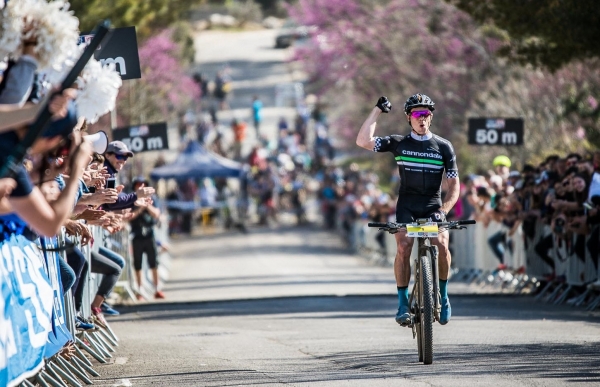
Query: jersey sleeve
{"x": 450, "y": 162}
{"x": 386, "y": 144}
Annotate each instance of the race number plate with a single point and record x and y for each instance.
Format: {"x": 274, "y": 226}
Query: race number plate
{"x": 422, "y": 230}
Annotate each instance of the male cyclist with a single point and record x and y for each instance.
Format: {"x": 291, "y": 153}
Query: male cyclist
{"x": 422, "y": 159}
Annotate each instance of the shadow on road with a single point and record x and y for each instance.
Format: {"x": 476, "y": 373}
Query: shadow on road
{"x": 565, "y": 362}
{"x": 500, "y": 307}
{"x": 571, "y": 362}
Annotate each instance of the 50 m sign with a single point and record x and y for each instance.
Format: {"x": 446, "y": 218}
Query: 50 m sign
{"x": 143, "y": 138}
{"x": 496, "y": 131}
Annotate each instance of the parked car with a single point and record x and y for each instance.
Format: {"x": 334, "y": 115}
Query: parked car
{"x": 291, "y": 32}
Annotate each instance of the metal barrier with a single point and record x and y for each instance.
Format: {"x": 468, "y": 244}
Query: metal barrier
{"x": 570, "y": 274}
{"x": 73, "y": 363}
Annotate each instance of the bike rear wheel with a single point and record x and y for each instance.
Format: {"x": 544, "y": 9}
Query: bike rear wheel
{"x": 426, "y": 309}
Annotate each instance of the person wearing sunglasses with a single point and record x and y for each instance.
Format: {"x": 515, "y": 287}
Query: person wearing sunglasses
{"x": 422, "y": 158}
{"x": 116, "y": 157}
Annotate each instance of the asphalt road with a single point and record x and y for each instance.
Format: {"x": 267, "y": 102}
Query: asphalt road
{"x": 298, "y": 310}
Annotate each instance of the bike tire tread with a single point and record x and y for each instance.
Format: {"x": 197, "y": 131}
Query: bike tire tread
{"x": 427, "y": 314}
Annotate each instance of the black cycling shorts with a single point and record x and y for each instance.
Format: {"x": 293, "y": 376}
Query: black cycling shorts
{"x": 411, "y": 207}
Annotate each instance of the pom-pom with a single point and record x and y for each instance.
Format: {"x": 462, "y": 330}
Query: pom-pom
{"x": 56, "y": 30}
{"x": 51, "y": 25}
{"x": 12, "y": 23}
{"x": 98, "y": 89}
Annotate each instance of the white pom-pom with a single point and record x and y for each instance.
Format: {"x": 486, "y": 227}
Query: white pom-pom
{"x": 52, "y": 25}
{"x": 56, "y": 30}
{"x": 98, "y": 89}
{"x": 12, "y": 23}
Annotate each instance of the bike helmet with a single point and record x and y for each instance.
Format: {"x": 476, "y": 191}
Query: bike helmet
{"x": 418, "y": 100}
{"x": 502, "y": 161}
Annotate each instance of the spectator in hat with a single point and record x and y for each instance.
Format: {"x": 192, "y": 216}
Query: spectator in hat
{"x": 502, "y": 165}
{"x": 116, "y": 157}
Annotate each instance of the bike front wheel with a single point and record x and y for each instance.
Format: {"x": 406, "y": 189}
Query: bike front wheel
{"x": 426, "y": 309}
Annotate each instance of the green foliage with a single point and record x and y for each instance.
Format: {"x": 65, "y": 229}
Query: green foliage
{"x": 245, "y": 11}
{"x": 580, "y": 101}
{"x": 543, "y": 33}
{"x": 146, "y": 15}
{"x": 182, "y": 34}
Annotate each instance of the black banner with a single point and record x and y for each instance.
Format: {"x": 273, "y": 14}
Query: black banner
{"x": 121, "y": 49}
{"x": 496, "y": 131}
{"x": 143, "y": 138}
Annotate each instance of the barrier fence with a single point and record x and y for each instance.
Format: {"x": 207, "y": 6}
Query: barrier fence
{"x": 39, "y": 342}
{"x": 558, "y": 268}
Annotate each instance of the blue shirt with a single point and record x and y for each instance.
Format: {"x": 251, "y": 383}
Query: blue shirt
{"x": 8, "y": 141}
{"x": 256, "y": 109}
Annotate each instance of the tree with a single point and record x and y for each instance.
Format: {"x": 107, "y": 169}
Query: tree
{"x": 145, "y": 15}
{"x": 542, "y": 33}
{"x": 362, "y": 49}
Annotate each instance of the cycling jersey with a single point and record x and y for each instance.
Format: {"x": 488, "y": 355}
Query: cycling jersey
{"x": 421, "y": 162}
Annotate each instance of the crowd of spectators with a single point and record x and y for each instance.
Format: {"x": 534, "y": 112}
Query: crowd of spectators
{"x": 279, "y": 168}
{"x": 561, "y": 192}
{"x": 68, "y": 180}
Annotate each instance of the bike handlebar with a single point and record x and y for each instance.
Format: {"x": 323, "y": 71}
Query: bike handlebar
{"x": 392, "y": 225}
{"x": 377, "y": 224}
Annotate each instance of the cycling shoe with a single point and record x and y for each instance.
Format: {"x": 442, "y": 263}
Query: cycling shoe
{"x": 446, "y": 312}
{"x": 403, "y": 317}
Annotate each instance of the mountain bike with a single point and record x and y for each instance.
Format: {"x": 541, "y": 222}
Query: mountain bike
{"x": 424, "y": 301}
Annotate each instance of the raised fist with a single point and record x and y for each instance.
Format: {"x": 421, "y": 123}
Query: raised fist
{"x": 384, "y": 104}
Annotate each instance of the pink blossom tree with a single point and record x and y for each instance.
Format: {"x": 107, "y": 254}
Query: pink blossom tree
{"x": 362, "y": 49}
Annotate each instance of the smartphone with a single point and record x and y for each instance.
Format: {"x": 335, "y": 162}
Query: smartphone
{"x": 111, "y": 183}
{"x": 92, "y": 189}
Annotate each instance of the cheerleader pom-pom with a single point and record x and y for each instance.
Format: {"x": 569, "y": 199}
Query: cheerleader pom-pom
{"x": 98, "y": 89}
{"x": 50, "y": 26}
{"x": 54, "y": 29}
{"x": 12, "y": 24}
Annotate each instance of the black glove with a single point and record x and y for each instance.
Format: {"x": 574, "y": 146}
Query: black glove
{"x": 384, "y": 104}
{"x": 438, "y": 216}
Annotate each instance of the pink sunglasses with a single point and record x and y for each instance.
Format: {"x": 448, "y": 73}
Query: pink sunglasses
{"x": 420, "y": 113}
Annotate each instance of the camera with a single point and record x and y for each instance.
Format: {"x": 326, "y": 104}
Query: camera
{"x": 111, "y": 183}
{"x": 92, "y": 189}
{"x": 559, "y": 225}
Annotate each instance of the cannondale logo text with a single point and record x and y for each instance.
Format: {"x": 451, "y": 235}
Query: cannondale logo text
{"x": 419, "y": 154}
